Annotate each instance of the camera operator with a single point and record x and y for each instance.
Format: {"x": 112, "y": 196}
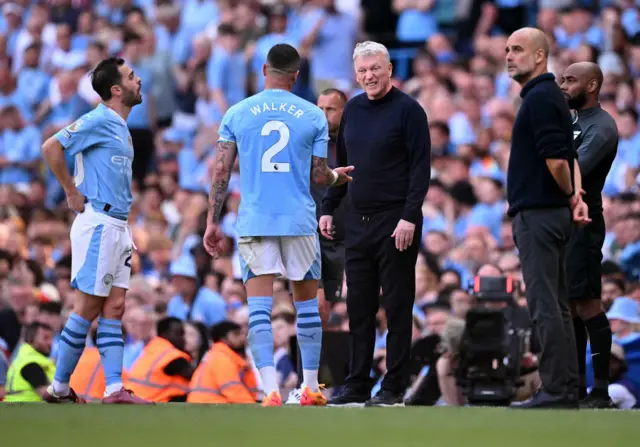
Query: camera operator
{"x": 452, "y": 339}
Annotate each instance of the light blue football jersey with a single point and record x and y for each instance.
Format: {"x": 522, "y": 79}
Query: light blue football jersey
{"x": 276, "y": 133}
{"x": 101, "y": 144}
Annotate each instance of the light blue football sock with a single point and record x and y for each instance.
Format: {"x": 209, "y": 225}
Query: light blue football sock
{"x": 111, "y": 347}
{"x": 72, "y": 341}
{"x": 260, "y": 333}
{"x": 309, "y": 330}
{"x": 261, "y": 341}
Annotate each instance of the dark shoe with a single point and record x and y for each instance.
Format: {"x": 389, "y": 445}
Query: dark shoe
{"x": 348, "y": 397}
{"x": 125, "y": 397}
{"x": 51, "y": 397}
{"x": 544, "y": 400}
{"x": 597, "y": 401}
{"x": 385, "y": 398}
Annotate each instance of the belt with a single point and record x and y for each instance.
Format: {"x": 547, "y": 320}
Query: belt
{"x": 106, "y": 208}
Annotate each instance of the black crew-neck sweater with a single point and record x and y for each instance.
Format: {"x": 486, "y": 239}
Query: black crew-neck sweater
{"x": 387, "y": 141}
{"x": 543, "y": 130}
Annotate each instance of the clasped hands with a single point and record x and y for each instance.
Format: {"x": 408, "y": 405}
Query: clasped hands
{"x": 579, "y": 209}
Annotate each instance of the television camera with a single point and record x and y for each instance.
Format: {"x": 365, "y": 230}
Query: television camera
{"x": 493, "y": 345}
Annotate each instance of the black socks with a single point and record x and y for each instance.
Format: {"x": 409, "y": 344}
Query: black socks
{"x": 600, "y": 337}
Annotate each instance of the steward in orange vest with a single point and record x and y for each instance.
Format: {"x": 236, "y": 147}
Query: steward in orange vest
{"x": 163, "y": 370}
{"x": 224, "y": 376}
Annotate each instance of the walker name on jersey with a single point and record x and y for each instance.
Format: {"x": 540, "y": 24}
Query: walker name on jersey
{"x": 277, "y": 107}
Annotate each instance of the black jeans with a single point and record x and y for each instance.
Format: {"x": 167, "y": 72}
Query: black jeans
{"x": 372, "y": 261}
{"x": 542, "y": 236}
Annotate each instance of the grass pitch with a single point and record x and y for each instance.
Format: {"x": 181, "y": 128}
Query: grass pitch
{"x": 178, "y": 425}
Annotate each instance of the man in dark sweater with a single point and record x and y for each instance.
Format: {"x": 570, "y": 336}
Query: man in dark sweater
{"x": 384, "y": 134}
{"x": 541, "y": 196}
{"x": 596, "y": 138}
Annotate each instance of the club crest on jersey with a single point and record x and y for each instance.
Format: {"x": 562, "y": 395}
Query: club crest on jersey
{"x": 107, "y": 280}
{"x": 75, "y": 126}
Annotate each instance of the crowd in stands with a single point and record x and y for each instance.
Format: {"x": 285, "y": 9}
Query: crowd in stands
{"x": 198, "y": 57}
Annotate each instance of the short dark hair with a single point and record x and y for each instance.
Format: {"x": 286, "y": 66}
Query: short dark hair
{"x": 106, "y": 75}
{"x": 165, "y": 325}
{"x": 98, "y": 46}
{"x": 441, "y": 126}
{"x": 51, "y": 307}
{"x": 334, "y": 91}
{"x": 130, "y": 36}
{"x": 226, "y": 29}
{"x": 220, "y": 330}
{"x": 31, "y": 331}
{"x": 283, "y": 58}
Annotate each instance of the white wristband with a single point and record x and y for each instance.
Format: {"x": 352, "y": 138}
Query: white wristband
{"x": 335, "y": 178}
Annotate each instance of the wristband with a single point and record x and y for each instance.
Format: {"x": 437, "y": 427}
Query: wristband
{"x": 335, "y": 178}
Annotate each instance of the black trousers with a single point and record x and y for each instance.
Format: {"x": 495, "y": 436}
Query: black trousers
{"x": 372, "y": 261}
{"x": 542, "y": 237}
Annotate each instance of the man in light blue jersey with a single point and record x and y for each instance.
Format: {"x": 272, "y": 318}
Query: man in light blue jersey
{"x": 101, "y": 241}
{"x": 281, "y": 140}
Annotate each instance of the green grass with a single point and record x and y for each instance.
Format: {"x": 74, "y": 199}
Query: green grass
{"x": 179, "y": 425}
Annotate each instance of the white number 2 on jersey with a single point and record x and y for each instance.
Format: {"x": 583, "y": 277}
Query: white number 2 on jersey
{"x": 283, "y": 131}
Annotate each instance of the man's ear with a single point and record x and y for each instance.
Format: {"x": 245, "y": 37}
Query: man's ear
{"x": 592, "y": 86}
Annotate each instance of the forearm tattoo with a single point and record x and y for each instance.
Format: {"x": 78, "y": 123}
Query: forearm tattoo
{"x": 320, "y": 172}
{"x": 225, "y": 156}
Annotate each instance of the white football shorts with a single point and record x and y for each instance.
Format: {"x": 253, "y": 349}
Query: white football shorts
{"x": 101, "y": 248}
{"x": 295, "y": 257}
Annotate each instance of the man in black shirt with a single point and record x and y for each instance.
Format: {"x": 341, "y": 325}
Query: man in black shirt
{"x": 384, "y": 134}
{"x": 541, "y": 196}
{"x": 596, "y": 138}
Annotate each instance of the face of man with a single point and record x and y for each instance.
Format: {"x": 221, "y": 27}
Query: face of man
{"x": 575, "y": 86}
{"x": 176, "y": 336}
{"x": 131, "y": 87}
{"x": 332, "y": 106}
{"x": 521, "y": 57}
{"x": 373, "y": 73}
{"x": 43, "y": 341}
{"x": 237, "y": 340}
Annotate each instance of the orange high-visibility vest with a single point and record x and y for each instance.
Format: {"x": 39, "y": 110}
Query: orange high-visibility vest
{"x": 147, "y": 378}
{"x": 223, "y": 377}
{"x": 88, "y": 378}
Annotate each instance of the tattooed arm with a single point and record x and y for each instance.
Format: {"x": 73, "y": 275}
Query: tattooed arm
{"x": 320, "y": 172}
{"x": 225, "y": 157}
